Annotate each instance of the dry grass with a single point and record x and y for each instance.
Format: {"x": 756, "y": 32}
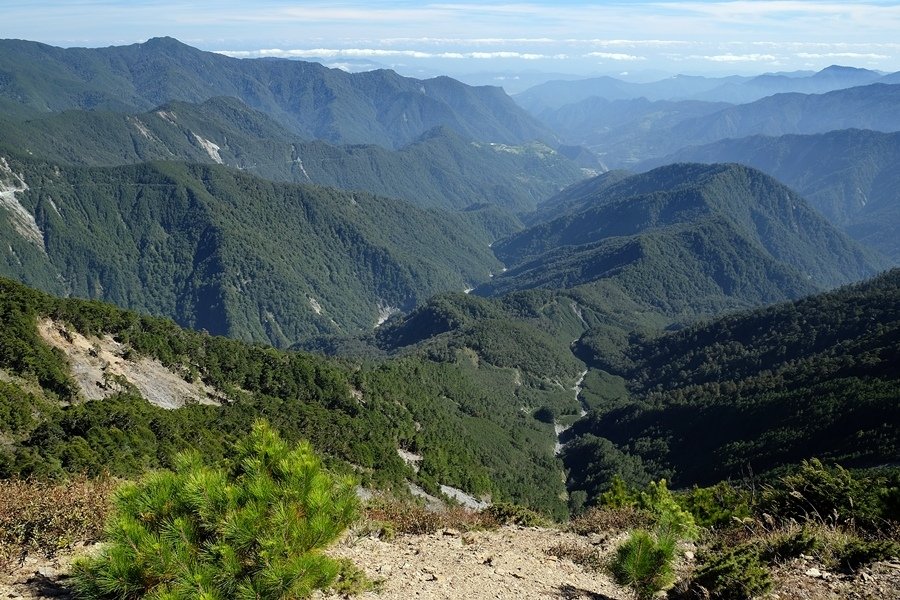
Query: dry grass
{"x": 609, "y": 520}
{"x": 581, "y": 554}
{"x": 388, "y": 517}
{"x": 45, "y": 517}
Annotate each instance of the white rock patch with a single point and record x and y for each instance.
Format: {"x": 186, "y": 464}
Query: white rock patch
{"x": 100, "y": 369}
{"x": 211, "y": 148}
{"x": 22, "y": 220}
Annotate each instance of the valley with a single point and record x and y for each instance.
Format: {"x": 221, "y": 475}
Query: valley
{"x": 514, "y": 311}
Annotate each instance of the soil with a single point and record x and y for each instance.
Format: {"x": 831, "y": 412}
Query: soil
{"x": 511, "y": 562}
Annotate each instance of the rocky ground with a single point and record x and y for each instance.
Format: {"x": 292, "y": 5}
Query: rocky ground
{"x": 511, "y": 562}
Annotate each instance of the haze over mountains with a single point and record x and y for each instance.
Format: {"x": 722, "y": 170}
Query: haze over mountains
{"x": 625, "y": 124}
{"x": 470, "y": 260}
{"x": 308, "y": 99}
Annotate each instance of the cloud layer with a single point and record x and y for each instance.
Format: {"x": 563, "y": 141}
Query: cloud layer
{"x": 576, "y": 36}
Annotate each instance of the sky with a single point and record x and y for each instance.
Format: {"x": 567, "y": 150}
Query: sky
{"x": 633, "y": 39}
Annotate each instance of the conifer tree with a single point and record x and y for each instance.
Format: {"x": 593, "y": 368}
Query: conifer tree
{"x": 251, "y": 529}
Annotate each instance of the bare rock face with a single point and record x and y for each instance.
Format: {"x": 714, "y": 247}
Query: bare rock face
{"x": 102, "y": 367}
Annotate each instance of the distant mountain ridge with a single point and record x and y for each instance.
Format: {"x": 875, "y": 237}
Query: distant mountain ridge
{"x": 652, "y": 131}
{"x": 379, "y": 107}
{"x": 686, "y": 238}
{"x": 441, "y": 168}
{"x": 734, "y": 88}
{"x": 850, "y": 176}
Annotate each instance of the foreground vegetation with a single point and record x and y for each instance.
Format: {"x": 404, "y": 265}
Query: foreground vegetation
{"x": 463, "y": 417}
{"x": 742, "y": 536}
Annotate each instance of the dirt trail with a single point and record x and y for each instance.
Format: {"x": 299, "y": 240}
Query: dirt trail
{"x": 511, "y": 562}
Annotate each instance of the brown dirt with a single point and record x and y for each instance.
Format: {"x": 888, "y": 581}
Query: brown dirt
{"x": 511, "y": 562}
{"x": 508, "y": 563}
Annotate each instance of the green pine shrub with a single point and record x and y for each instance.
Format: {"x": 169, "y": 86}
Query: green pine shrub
{"x": 793, "y": 541}
{"x": 716, "y": 506}
{"x": 250, "y": 529}
{"x": 667, "y": 513}
{"x": 858, "y": 552}
{"x": 735, "y": 574}
{"x": 645, "y": 563}
{"x": 827, "y": 494}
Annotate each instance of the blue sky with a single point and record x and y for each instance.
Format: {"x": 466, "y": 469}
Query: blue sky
{"x": 691, "y": 36}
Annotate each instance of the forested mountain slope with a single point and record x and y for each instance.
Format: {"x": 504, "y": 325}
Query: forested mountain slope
{"x": 458, "y": 423}
{"x": 849, "y": 175}
{"x": 440, "y": 168}
{"x": 378, "y": 107}
{"x": 224, "y": 251}
{"x": 751, "y": 392}
{"x": 688, "y": 239}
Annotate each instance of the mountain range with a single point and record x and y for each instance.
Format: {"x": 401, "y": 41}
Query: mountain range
{"x": 440, "y": 168}
{"x": 625, "y": 132}
{"x": 685, "y": 238}
{"x": 734, "y": 89}
{"x": 481, "y": 279}
{"x": 217, "y": 249}
{"x": 310, "y": 100}
{"x": 849, "y": 176}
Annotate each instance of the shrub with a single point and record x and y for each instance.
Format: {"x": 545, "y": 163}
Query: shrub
{"x": 619, "y": 495}
{"x": 858, "y": 553}
{"x": 504, "y": 513}
{"x": 716, "y": 506}
{"x": 825, "y": 494}
{"x": 386, "y": 517}
{"x": 44, "y": 517}
{"x": 736, "y": 574}
{"x": 604, "y": 520}
{"x": 644, "y": 563}
{"x": 247, "y": 530}
{"x": 667, "y": 513}
{"x": 792, "y": 542}
{"x": 580, "y": 554}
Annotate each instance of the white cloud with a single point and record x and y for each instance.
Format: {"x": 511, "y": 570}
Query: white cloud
{"x": 614, "y": 56}
{"x": 861, "y": 55}
{"x": 383, "y": 53}
{"x": 737, "y": 58}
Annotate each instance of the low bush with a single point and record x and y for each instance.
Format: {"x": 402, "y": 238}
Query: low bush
{"x": 43, "y": 517}
{"x": 645, "y": 563}
{"x": 831, "y": 494}
{"x": 716, "y": 506}
{"x": 387, "y": 517}
{"x": 504, "y": 513}
{"x": 580, "y": 554}
{"x": 858, "y": 552}
{"x": 609, "y": 520}
{"x": 250, "y": 529}
{"x": 735, "y": 574}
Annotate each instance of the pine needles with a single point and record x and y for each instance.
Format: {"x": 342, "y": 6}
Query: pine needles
{"x": 252, "y": 530}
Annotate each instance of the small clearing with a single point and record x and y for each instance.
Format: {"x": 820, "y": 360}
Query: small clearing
{"x": 463, "y": 498}
{"x": 385, "y": 312}
{"x": 100, "y": 369}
